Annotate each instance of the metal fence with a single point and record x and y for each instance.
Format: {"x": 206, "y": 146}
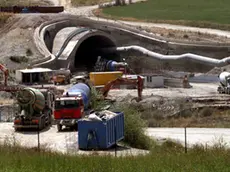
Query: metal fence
{"x": 7, "y": 113}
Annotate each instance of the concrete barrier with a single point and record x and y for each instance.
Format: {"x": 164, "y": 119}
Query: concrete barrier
{"x": 176, "y": 83}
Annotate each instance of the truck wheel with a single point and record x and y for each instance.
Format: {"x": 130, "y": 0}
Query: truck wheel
{"x": 16, "y": 129}
{"x": 59, "y": 127}
{"x": 50, "y": 120}
{"x": 76, "y": 127}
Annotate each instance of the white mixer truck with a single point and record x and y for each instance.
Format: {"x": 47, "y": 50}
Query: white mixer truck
{"x": 224, "y": 87}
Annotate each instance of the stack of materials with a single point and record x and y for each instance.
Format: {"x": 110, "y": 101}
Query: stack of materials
{"x": 101, "y": 116}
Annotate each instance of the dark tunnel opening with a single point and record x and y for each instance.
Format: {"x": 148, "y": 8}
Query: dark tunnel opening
{"x": 89, "y": 50}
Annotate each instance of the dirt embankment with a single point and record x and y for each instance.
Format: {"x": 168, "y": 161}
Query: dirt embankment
{"x": 16, "y": 39}
{"x": 188, "y": 36}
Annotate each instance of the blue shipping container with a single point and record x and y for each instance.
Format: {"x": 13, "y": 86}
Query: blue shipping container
{"x": 100, "y": 134}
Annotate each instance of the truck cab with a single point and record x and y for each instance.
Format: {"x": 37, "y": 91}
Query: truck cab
{"x": 68, "y": 110}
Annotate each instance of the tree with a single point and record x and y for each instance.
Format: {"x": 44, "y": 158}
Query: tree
{"x": 120, "y": 2}
{"x": 117, "y": 2}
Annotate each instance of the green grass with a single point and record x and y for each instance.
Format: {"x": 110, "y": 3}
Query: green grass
{"x": 197, "y": 12}
{"x": 134, "y": 127}
{"x": 169, "y": 157}
{"x": 88, "y": 2}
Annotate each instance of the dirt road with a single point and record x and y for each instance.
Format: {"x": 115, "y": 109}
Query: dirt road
{"x": 201, "y": 136}
{"x": 63, "y": 142}
{"x": 48, "y": 139}
{"x": 67, "y": 142}
{"x": 197, "y": 90}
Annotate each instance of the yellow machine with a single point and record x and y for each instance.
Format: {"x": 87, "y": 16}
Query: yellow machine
{"x": 102, "y": 78}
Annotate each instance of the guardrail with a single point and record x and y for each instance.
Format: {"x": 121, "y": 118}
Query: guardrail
{"x": 32, "y": 9}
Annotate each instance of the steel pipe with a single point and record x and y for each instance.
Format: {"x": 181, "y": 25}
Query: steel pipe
{"x": 194, "y": 57}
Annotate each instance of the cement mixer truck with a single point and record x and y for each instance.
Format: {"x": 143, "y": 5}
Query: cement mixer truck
{"x": 71, "y": 106}
{"x": 224, "y": 87}
{"x": 35, "y": 108}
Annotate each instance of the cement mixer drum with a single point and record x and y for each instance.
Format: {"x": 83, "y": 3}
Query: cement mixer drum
{"x": 224, "y": 78}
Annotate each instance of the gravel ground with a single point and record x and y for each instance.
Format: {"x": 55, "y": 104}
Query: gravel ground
{"x": 16, "y": 39}
{"x": 197, "y": 90}
{"x": 63, "y": 142}
{"x": 195, "y": 136}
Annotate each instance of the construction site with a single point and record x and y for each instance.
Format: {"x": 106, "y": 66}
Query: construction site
{"x": 73, "y": 62}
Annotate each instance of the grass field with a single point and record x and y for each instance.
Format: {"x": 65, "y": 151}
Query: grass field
{"x": 169, "y": 157}
{"x": 88, "y": 2}
{"x": 197, "y": 12}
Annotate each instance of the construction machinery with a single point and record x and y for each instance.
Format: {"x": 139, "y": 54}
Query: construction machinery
{"x": 35, "y": 108}
{"x": 224, "y": 87}
{"x": 74, "y": 102}
{"x": 71, "y": 106}
{"x": 102, "y": 78}
{"x": 139, "y": 82}
{"x": 102, "y": 65}
{"x": 62, "y": 76}
{"x": 5, "y": 87}
{"x": 78, "y": 79}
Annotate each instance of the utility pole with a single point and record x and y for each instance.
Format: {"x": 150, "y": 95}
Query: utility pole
{"x": 38, "y": 139}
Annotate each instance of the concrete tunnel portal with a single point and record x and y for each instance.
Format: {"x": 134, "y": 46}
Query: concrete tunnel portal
{"x": 90, "y": 48}
{"x": 91, "y": 40}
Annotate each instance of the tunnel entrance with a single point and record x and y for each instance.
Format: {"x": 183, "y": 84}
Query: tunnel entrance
{"x": 90, "y": 49}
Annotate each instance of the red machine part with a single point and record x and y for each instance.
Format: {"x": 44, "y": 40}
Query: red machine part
{"x": 73, "y": 113}
{"x": 6, "y": 73}
{"x": 5, "y": 87}
{"x": 119, "y": 81}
